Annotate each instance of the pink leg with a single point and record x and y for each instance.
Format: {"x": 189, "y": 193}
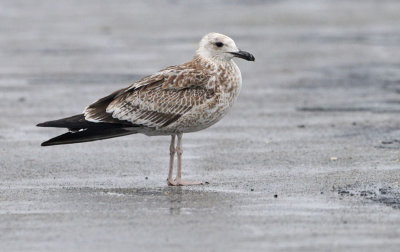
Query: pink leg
{"x": 172, "y": 151}
{"x": 178, "y": 180}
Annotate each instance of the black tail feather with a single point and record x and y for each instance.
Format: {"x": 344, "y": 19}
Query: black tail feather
{"x": 78, "y": 122}
{"x": 73, "y": 122}
{"x": 87, "y": 135}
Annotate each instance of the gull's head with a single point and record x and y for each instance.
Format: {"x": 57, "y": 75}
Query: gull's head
{"x": 216, "y": 46}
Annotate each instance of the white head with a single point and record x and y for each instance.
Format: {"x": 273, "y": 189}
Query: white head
{"x": 216, "y": 46}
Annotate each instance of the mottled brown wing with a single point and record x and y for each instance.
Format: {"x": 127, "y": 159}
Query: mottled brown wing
{"x": 155, "y": 101}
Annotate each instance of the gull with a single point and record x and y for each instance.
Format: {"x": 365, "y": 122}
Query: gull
{"x": 176, "y": 100}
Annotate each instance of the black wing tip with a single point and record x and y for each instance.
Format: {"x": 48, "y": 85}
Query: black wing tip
{"x": 55, "y": 141}
{"x": 91, "y": 134}
{"x": 48, "y": 143}
{"x": 45, "y": 144}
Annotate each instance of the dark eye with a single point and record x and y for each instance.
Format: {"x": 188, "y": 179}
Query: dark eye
{"x": 219, "y": 44}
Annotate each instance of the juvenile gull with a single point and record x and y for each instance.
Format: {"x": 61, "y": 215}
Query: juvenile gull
{"x": 176, "y": 100}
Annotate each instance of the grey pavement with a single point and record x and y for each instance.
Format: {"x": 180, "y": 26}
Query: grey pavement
{"x": 307, "y": 160}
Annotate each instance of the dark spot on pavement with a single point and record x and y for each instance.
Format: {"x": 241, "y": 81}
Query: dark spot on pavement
{"x": 386, "y": 195}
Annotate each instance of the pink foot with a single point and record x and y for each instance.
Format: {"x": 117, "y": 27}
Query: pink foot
{"x": 179, "y": 182}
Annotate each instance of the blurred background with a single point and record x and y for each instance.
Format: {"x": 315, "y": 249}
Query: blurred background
{"x": 308, "y": 159}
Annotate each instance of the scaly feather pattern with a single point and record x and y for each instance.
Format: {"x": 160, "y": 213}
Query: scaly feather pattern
{"x": 157, "y": 100}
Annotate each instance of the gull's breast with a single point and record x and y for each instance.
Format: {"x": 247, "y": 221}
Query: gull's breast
{"x": 227, "y": 88}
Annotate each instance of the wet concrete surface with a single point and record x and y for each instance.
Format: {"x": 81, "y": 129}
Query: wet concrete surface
{"x": 307, "y": 160}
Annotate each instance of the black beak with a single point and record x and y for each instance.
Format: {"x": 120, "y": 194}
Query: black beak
{"x": 243, "y": 55}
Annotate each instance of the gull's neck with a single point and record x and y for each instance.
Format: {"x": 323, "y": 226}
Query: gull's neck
{"x": 212, "y": 63}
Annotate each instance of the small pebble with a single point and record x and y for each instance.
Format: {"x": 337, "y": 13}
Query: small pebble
{"x": 252, "y": 189}
{"x": 275, "y": 196}
{"x": 146, "y": 178}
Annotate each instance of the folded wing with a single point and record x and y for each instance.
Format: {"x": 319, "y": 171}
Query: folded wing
{"x": 155, "y": 101}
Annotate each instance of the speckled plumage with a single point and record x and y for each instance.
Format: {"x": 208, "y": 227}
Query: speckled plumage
{"x": 176, "y": 100}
